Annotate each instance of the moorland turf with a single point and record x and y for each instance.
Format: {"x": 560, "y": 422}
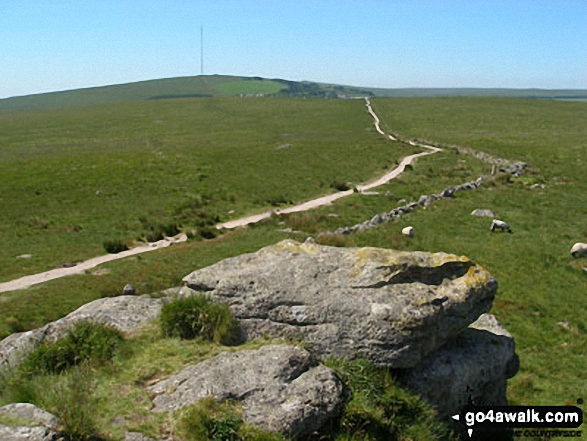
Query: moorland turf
{"x": 165, "y": 153}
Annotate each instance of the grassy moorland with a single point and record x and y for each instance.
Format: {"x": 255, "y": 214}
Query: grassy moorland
{"x": 74, "y": 178}
{"x": 542, "y": 290}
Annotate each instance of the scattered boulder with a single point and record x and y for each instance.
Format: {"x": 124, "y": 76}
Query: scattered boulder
{"x": 135, "y": 436}
{"x": 124, "y": 313}
{"x": 25, "y": 256}
{"x": 408, "y": 231}
{"x": 128, "y": 290}
{"x": 579, "y": 250}
{"x": 390, "y": 307}
{"x": 448, "y": 192}
{"x": 484, "y": 213}
{"x": 281, "y": 388}
{"x": 30, "y": 413}
{"x": 474, "y": 367}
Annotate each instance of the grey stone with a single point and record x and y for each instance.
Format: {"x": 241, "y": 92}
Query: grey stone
{"x": 30, "y": 413}
{"x": 484, "y": 213}
{"x": 28, "y": 434}
{"x": 24, "y": 256}
{"x": 389, "y": 306}
{"x": 124, "y": 313}
{"x": 424, "y": 200}
{"x": 448, "y": 192}
{"x": 281, "y": 388}
{"x": 135, "y": 436}
{"x": 473, "y": 367}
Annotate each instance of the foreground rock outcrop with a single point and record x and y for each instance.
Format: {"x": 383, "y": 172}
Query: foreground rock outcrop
{"x": 42, "y": 424}
{"x": 281, "y": 388}
{"x": 124, "y": 313}
{"x": 391, "y": 307}
{"x": 473, "y": 368}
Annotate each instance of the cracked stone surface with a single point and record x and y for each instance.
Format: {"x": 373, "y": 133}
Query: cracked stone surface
{"x": 281, "y": 388}
{"x": 392, "y": 307}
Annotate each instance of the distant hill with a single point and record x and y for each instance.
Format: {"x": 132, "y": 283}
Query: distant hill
{"x": 580, "y": 94}
{"x": 171, "y": 88}
{"x": 223, "y": 85}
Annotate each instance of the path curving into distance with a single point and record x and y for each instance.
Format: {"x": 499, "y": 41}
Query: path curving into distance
{"x": 80, "y": 268}
{"x": 325, "y": 200}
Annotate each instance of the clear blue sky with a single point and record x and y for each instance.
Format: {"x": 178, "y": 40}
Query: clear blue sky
{"x": 48, "y": 45}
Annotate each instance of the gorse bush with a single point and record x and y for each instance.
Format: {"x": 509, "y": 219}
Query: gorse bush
{"x": 198, "y": 316}
{"x": 87, "y": 342}
{"x": 114, "y": 246}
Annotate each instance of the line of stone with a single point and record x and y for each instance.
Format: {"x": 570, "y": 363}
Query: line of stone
{"x": 515, "y": 168}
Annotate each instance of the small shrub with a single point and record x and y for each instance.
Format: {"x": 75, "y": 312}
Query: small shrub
{"x": 87, "y": 342}
{"x": 340, "y": 185}
{"x": 277, "y": 201}
{"x": 332, "y": 240}
{"x": 70, "y": 398}
{"x": 209, "y": 420}
{"x": 208, "y": 232}
{"x": 198, "y": 316}
{"x": 115, "y": 246}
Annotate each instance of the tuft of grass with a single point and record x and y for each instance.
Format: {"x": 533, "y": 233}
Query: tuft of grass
{"x": 198, "y": 316}
{"x": 379, "y": 410}
{"x": 86, "y": 343}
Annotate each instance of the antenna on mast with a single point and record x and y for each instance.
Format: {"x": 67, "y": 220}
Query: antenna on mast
{"x": 202, "y": 49}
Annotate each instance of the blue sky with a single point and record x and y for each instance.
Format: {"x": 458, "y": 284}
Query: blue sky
{"x": 48, "y": 45}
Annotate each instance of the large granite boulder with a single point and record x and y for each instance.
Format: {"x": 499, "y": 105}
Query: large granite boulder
{"x": 124, "y": 313}
{"x": 281, "y": 388}
{"x": 392, "y": 307}
{"x": 473, "y": 368}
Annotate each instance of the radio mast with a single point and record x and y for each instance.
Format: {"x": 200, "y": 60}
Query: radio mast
{"x": 202, "y": 49}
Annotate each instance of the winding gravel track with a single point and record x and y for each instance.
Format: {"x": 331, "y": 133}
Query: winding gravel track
{"x": 27, "y": 281}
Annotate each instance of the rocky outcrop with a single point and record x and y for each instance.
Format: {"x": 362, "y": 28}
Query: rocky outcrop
{"x": 281, "y": 388}
{"x": 8, "y": 433}
{"x": 124, "y": 313}
{"x": 391, "y": 307}
{"x": 473, "y": 368}
{"x": 30, "y": 413}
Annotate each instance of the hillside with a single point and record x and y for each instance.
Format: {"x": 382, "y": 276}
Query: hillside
{"x": 171, "y": 88}
{"x": 224, "y": 86}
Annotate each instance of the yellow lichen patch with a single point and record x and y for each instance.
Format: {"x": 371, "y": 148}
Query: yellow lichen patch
{"x": 295, "y": 247}
{"x": 476, "y": 276}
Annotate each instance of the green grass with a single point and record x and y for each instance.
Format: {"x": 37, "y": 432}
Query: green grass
{"x": 180, "y": 87}
{"x": 540, "y": 284}
{"x": 76, "y": 179}
{"x": 245, "y": 87}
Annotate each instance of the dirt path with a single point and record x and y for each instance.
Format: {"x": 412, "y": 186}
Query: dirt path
{"x": 27, "y": 281}
{"x": 325, "y": 200}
